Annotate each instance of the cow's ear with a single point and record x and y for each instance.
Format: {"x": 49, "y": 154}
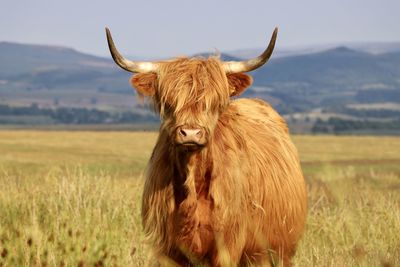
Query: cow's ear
{"x": 238, "y": 82}
{"x": 145, "y": 83}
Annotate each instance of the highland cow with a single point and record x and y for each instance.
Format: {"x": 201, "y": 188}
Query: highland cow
{"x": 224, "y": 185}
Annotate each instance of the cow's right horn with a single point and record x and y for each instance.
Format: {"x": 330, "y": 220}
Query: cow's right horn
{"x": 132, "y": 66}
{"x": 254, "y": 63}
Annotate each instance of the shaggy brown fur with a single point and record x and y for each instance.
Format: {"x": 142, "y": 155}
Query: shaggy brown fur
{"x": 238, "y": 201}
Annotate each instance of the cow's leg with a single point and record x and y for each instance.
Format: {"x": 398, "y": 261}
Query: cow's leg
{"x": 257, "y": 258}
{"x": 175, "y": 259}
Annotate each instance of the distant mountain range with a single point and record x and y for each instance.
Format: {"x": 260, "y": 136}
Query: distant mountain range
{"x": 332, "y": 77}
{"x": 294, "y": 81}
{"x": 21, "y": 58}
{"x": 46, "y": 75}
{"x": 368, "y": 47}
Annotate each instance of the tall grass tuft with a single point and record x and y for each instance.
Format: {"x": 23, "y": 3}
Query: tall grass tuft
{"x": 354, "y": 220}
{"x": 70, "y": 218}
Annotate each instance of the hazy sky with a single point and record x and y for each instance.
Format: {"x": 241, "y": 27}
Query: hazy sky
{"x": 169, "y": 28}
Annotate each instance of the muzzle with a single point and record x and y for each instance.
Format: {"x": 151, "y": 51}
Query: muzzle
{"x": 190, "y": 136}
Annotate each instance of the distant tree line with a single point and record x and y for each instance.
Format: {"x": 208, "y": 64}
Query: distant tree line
{"x": 338, "y": 125}
{"x": 378, "y": 95}
{"x": 64, "y": 115}
{"x": 364, "y": 113}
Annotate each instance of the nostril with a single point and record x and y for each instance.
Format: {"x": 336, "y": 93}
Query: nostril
{"x": 182, "y": 132}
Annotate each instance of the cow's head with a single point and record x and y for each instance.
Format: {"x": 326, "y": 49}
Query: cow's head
{"x": 190, "y": 93}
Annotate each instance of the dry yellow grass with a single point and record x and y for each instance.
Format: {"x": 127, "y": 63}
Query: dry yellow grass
{"x": 73, "y": 199}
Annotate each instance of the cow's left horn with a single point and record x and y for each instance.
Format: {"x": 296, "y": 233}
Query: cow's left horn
{"x": 254, "y": 63}
{"x": 132, "y": 66}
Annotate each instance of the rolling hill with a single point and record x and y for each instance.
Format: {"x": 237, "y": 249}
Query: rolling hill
{"x": 331, "y": 77}
{"x": 22, "y": 58}
{"x": 298, "y": 83}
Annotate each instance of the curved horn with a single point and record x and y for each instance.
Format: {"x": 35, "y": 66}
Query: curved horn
{"x": 132, "y": 66}
{"x": 254, "y": 63}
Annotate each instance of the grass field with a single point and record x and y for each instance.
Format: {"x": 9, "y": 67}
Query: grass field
{"x": 73, "y": 199}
